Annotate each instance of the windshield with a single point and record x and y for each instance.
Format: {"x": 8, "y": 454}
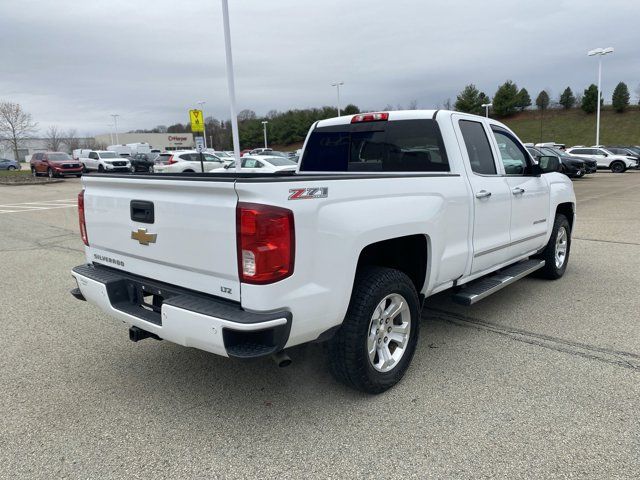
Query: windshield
{"x": 58, "y": 156}
{"x": 109, "y": 155}
{"x": 280, "y": 162}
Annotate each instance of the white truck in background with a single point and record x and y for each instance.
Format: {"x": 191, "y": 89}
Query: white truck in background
{"x": 385, "y": 209}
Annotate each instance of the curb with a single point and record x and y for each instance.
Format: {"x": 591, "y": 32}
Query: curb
{"x": 17, "y": 184}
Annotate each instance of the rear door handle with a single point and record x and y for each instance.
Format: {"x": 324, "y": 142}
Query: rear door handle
{"x": 518, "y": 191}
{"x": 483, "y": 194}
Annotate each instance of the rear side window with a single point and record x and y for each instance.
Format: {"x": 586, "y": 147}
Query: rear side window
{"x": 478, "y": 147}
{"x": 394, "y": 146}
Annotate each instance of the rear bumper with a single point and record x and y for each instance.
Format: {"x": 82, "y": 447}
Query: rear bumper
{"x": 182, "y": 316}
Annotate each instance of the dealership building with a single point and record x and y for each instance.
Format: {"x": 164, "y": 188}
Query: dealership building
{"x": 159, "y": 141}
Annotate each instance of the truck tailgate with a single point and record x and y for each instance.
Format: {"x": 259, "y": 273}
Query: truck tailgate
{"x": 190, "y": 241}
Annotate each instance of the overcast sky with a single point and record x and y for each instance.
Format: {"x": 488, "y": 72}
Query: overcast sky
{"x": 72, "y": 63}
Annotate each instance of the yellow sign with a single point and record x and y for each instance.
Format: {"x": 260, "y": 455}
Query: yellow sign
{"x": 197, "y": 122}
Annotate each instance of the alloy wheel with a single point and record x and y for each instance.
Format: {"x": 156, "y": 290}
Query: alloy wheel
{"x": 389, "y": 331}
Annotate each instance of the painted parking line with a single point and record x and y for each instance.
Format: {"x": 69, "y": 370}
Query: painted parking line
{"x": 34, "y": 206}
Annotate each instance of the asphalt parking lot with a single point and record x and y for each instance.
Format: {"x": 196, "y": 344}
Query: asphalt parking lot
{"x": 541, "y": 380}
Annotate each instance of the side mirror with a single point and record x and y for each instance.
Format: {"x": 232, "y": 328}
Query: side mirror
{"x": 605, "y": 154}
{"x": 549, "y": 164}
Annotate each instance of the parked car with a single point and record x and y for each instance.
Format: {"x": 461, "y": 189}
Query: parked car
{"x": 6, "y": 164}
{"x": 54, "y": 164}
{"x": 604, "y": 158}
{"x": 387, "y": 209}
{"x": 104, "y": 161}
{"x": 264, "y": 164}
{"x": 628, "y": 152}
{"x": 142, "y": 162}
{"x": 591, "y": 166}
{"x": 186, "y": 161}
{"x": 571, "y": 167}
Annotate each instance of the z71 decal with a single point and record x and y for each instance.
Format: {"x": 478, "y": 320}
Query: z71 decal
{"x": 308, "y": 193}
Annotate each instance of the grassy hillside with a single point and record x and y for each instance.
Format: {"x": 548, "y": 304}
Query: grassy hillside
{"x": 574, "y": 127}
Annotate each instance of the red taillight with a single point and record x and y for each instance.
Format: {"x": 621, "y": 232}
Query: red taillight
{"x": 171, "y": 161}
{"x": 370, "y": 117}
{"x": 83, "y": 224}
{"x": 266, "y": 243}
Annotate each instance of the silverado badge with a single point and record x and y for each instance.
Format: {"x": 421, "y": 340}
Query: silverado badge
{"x": 143, "y": 237}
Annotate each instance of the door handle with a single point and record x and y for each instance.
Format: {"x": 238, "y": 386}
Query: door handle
{"x": 518, "y": 191}
{"x": 483, "y": 194}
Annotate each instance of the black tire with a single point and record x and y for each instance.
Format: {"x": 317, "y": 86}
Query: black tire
{"x": 50, "y": 173}
{"x": 188, "y": 171}
{"x": 551, "y": 270}
{"x": 33, "y": 172}
{"x": 100, "y": 169}
{"x": 132, "y": 169}
{"x": 84, "y": 168}
{"x": 11, "y": 167}
{"x": 78, "y": 175}
{"x": 618, "y": 167}
{"x": 347, "y": 351}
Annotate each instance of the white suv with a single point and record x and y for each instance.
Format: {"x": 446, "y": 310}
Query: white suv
{"x": 186, "y": 161}
{"x": 605, "y": 158}
{"x": 103, "y": 161}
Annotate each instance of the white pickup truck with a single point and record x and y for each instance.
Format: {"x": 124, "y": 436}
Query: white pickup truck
{"x": 385, "y": 210}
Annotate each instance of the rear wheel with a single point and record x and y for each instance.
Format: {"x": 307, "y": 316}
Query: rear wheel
{"x": 556, "y": 253}
{"x": 618, "y": 167}
{"x": 132, "y": 169}
{"x": 376, "y": 342}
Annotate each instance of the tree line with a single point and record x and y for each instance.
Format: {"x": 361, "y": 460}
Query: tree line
{"x": 508, "y": 99}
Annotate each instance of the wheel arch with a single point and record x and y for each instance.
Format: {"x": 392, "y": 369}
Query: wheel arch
{"x": 568, "y": 210}
{"x": 409, "y": 254}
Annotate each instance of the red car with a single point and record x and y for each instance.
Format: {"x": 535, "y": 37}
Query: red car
{"x": 54, "y": 164}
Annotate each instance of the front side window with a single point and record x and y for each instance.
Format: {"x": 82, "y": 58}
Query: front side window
{"x": 382, "y": 146}
{"x": 513, "y": 156}
{"x": 251, "y": 163}
{"x": 93, "y": 155}
{"x": 478, "y": 147}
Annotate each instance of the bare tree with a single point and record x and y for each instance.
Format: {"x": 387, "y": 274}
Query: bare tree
{"x": 15, "y": 125}
{"x": 54, "y": 139}
{"x": 413, "y": 105}
{"x": 71, "y": 140}
{"x": 637, "y": 90}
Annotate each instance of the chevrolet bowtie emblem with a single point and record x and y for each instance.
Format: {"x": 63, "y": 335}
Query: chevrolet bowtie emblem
{"x": 143, "y": 237}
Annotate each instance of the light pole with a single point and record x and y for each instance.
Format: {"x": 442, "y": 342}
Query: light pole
{"x": 264, "y": 126}
{"x": 204, "y": 122}
{"x": 486, "y": 107}
{"x": 600, "y": 52}
{"x": 231, "y": 84}
{"x": 337, "y": 85}
{"x": 115, "y": 126}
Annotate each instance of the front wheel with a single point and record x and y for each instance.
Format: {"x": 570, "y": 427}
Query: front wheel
{"x": 100, "y": 169}
{"x": 556, "y": 253}
{"x": 50, "y": 173}
{"x": 33, "y": 172}
{"x": 132, "y": 169}
{"x": 618, "y": 167}
{"x": 378, "y": 337}
{"x": 11, "y": 167}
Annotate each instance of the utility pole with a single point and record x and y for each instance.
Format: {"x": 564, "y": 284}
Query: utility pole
{"x": 337, "y": 85}
{"x": 264, "y": 126}
{"x": 231, "y": 84}
{"x": 115, "y": 126}
{"x": 204, "y": 122}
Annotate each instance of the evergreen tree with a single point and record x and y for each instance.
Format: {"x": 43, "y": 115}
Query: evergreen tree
{"x": 505, "y": 101}
{"x": 590, "y": 99}
{"x": 621, "y": 97}
{"x": 567, "y": 100}
{"x": 524, "y": 100}
{"x": 542, "y": 101}
{"x": 470, "y": 99}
